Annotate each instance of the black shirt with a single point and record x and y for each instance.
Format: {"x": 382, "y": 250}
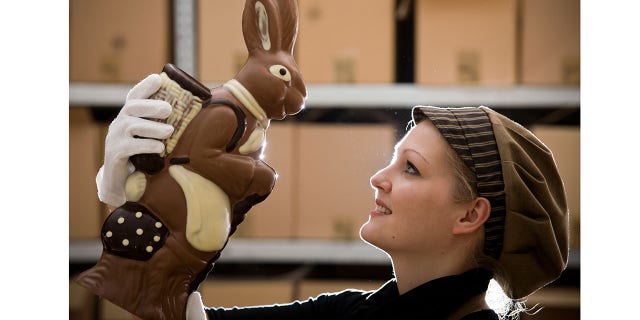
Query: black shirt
{"x": 435, "y": 299}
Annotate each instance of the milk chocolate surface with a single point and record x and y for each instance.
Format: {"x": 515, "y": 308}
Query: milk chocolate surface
{"x": 160, "y": 245}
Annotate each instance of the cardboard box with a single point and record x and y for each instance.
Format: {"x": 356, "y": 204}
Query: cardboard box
{"x": 85, "y": 158}
{"x": 274, "y": 217}
{"x": 243, "y": 293}
{"x": 313, "y": 288}
{"x": 334, "y": 165}
{"x": 555, "y": 297}
{"x": 118, "y": 40}
{"x": 551, "y": 303}
{"x": 82, "y": 303}
{"x": 110, "y": 311}
{"x": 346, "y": 41}
{"x": 551, "y": 42}
{"x": 564, "y": 142}
{"x": 221, "y": 50}
{"x": 465, "y": 42}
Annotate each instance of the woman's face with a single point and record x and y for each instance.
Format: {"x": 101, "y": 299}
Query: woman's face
{"x": 414, "y": 210}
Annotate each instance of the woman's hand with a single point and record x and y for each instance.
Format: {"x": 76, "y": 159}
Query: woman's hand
{"x": 130, "y": 133}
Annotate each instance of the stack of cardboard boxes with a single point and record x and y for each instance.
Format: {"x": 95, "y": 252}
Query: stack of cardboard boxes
{"x": 458, "y": 42}
{"x": 322, "y": 191}
{"x": 489, "y": 42}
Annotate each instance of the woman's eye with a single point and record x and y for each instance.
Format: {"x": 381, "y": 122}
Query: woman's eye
{"x": 411, "y": 169}
{"x": 281, "y": 72}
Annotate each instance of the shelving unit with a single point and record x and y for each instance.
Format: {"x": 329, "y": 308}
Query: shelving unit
{"x": 523, "y": 99}
{"x": 294, "y": 259}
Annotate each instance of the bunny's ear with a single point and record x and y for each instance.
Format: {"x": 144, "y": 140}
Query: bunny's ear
{"x": 270, "y": 25}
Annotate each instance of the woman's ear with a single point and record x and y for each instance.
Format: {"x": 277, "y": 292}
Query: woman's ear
{"x": 476, "y": 214}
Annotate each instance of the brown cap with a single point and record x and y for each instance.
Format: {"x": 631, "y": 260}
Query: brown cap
{"x": 527, "y": 232}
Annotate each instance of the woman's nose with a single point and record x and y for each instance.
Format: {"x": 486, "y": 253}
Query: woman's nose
{"x": 379, "y": 181}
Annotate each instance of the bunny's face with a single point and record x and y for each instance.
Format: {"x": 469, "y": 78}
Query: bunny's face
{"x": 275, "y": 83}
{"x": 271, "y": 74}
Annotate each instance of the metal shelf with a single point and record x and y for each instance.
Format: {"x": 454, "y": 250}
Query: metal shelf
{"x": 305, "y": 251}
{"x": 266, "y": 251}
{"x": 375, "y": 95}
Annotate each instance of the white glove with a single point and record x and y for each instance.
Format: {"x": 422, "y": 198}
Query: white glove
{"x": 195, "y": 308}
{"x": 120, "y": 143}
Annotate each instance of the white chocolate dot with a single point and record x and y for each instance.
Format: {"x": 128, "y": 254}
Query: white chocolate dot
{"x": 156, "y": 238}
{"x": 138, "y": 214}
{"x": 139, "y": 232}
{"x": 158, "y": 225}
{"x": 149, "y": 248}
{"x": 109, "y": 234}
{"x": 120, "y": 220}
{"x": 125, "y": 242}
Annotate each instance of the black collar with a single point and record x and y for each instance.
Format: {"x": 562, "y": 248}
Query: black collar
{"x": 432, "y": 300}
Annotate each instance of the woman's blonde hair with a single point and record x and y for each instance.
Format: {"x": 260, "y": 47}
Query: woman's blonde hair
{"x": 464, "y": 190}
{"x": 464, "y": 183}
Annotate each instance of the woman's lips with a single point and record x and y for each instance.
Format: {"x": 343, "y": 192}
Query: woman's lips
{"x": 381, "y": 209}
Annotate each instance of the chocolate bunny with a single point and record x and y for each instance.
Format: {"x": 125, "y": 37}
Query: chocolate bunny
{"x": 161, "y": 244}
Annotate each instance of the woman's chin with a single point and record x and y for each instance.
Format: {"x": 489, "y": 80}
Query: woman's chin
{"x": 367, "y": 233}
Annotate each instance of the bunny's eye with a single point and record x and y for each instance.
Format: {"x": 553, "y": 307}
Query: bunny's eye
{"x": 281, "y": 72}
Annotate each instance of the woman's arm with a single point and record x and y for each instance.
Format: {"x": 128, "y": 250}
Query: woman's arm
{"x": 309, "y": 309}
{"x": 324, "y": 306}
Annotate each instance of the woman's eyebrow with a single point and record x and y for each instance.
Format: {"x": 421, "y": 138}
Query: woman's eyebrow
{"x": 418, "y": 154}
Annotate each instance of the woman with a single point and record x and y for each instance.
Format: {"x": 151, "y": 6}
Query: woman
{"x": 469, "y": 196}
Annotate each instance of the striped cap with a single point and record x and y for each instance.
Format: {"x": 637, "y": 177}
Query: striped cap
{"x": 527, "y": 232}
{"x": 468, "y": 131}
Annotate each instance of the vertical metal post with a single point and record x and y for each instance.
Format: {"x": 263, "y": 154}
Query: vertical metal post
{"x": 405, "y": 41}
{"x": 184, "y": 34}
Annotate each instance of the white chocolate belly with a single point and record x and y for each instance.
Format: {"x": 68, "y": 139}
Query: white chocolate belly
{"x": 208, "y": 210}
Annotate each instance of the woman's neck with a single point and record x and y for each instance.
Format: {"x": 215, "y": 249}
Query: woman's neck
{"x": 412, "y": 270}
